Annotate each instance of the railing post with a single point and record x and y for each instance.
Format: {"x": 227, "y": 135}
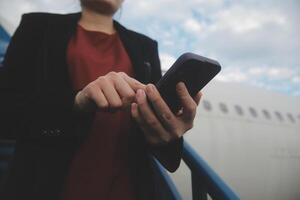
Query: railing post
{"x": 198, "y": 188}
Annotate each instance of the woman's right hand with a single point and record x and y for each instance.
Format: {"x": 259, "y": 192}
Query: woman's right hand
{"x": 115, "y": 90}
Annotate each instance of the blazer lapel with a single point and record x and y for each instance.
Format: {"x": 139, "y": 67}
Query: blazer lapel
{"x": 135, "y": 52}
{"x": 58, "y": 34}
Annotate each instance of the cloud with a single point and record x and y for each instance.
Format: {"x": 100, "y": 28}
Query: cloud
{"x": 12, "y": 10}
{"x": 167, "y": 61}
{"x": 271, "y": 78}
{"x": 232, "y": 75}
{"x": 193, "y": 26}
{"x": 296, "y": 79}
{"x": 240, "y": 19}
{"x": 255, "y": 41}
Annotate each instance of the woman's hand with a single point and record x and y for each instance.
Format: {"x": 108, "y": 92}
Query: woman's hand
{"x": 111, "y": 92}
{"x": 159, "y": 124}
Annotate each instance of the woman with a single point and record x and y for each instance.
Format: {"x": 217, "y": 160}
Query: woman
{"x": 74, "y": 91}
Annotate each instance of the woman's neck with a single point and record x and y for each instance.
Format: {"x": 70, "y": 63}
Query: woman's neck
{"x": 94, "y": 21}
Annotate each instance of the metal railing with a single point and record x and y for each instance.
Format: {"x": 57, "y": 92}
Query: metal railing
{"x": 204, "y": 180}
{"x": 168, "y": 187}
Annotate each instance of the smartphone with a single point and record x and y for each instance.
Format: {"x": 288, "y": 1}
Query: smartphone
{"x": 192, "y": 69}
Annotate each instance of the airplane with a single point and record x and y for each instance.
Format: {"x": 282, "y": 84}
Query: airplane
{"x": 248, "y": 135}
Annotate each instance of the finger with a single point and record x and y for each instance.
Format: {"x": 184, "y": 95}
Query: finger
{"x": 135, "y": 114}
{"x": 111, "y": 94}
{"x": 148, "y": 116}
{"x": 151, "y": 136}
{"x": 134, "y": 84}
{"x": 126, "y": 93}
{"x": 161, "y": 109}
{"x": 99, "y": 98}
{"x": 187, "y": 102}
{"x": 198, "y": 97}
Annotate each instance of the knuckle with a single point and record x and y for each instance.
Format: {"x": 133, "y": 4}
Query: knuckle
{"x": 176, "y": 134}
{"x": 190, "y": 126}
{"x": 102, "y": 104}
{"x": 116, "y": 104}
{"x": 113, "y": 74}
{"x": 89, "y": 88}
{"x": 91, "y": 85}
{"x": 181, "y": 92}
{"x": 167, "y": 116}
{"x": 130, "y": 95}
{"x": 164, "y": 139}
{"x": 155, "y": 99}
{"x": 122, "y": 74}
{"x": 136, "y": 84}
{"x": 192, "y": 107}
{"x": 84, "y": 94}
{"x": 187, "y": 98}
{"x": 100, "y": 79}
{"x": 151, "y": 122}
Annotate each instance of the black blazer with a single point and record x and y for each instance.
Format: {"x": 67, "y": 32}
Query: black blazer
{"x": 36, "y": 109}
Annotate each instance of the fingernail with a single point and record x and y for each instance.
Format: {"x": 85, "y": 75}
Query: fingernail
{"x": 149, "y": 88}
{"x": 133, "y": 105}
{"x": 140, "y": 94}
{"x": 179, "y": 86}
{"x": 153, "y": 87}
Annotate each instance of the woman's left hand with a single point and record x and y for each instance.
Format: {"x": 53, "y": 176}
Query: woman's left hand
{"x": 160, "y": 125}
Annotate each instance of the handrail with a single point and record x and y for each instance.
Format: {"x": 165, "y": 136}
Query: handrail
{"x": 169, "y": 188}
{"x": 204, "y": 179}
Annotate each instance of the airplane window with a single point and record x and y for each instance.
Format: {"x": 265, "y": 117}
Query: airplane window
{"x": 291, "y": 118}
{"x": 266, "y": 114}
{"x": 279, "y": 116}
{"x": 223, "y": 108}
{"x": 253, "y": 112}
{"x": 207, "y": 106}
{"x": 239, "y": 110}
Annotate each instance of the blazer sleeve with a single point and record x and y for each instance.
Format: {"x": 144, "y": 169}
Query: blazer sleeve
{"x": 16, "y": 79}
{"x": 27, "y": 109}
{"x": 169, "y": 155}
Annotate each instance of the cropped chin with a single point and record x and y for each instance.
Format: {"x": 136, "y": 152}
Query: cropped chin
{"x": 101, "y": 7}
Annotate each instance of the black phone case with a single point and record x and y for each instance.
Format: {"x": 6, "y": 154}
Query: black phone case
{"x": 192, "y": 69}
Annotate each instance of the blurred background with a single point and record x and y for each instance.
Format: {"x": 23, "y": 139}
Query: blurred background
{"x": 257, "y": 42}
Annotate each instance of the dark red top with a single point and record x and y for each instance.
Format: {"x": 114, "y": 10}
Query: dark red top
{"x": 99, "y": 170}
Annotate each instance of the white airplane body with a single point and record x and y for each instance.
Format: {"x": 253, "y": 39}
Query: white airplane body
{"x": 258, "y": 157}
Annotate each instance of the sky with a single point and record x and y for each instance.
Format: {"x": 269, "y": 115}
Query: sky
{"x": 256, "y": 42}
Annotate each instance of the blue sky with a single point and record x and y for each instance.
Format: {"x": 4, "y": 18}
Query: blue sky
{"x": 256, "y": 42}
